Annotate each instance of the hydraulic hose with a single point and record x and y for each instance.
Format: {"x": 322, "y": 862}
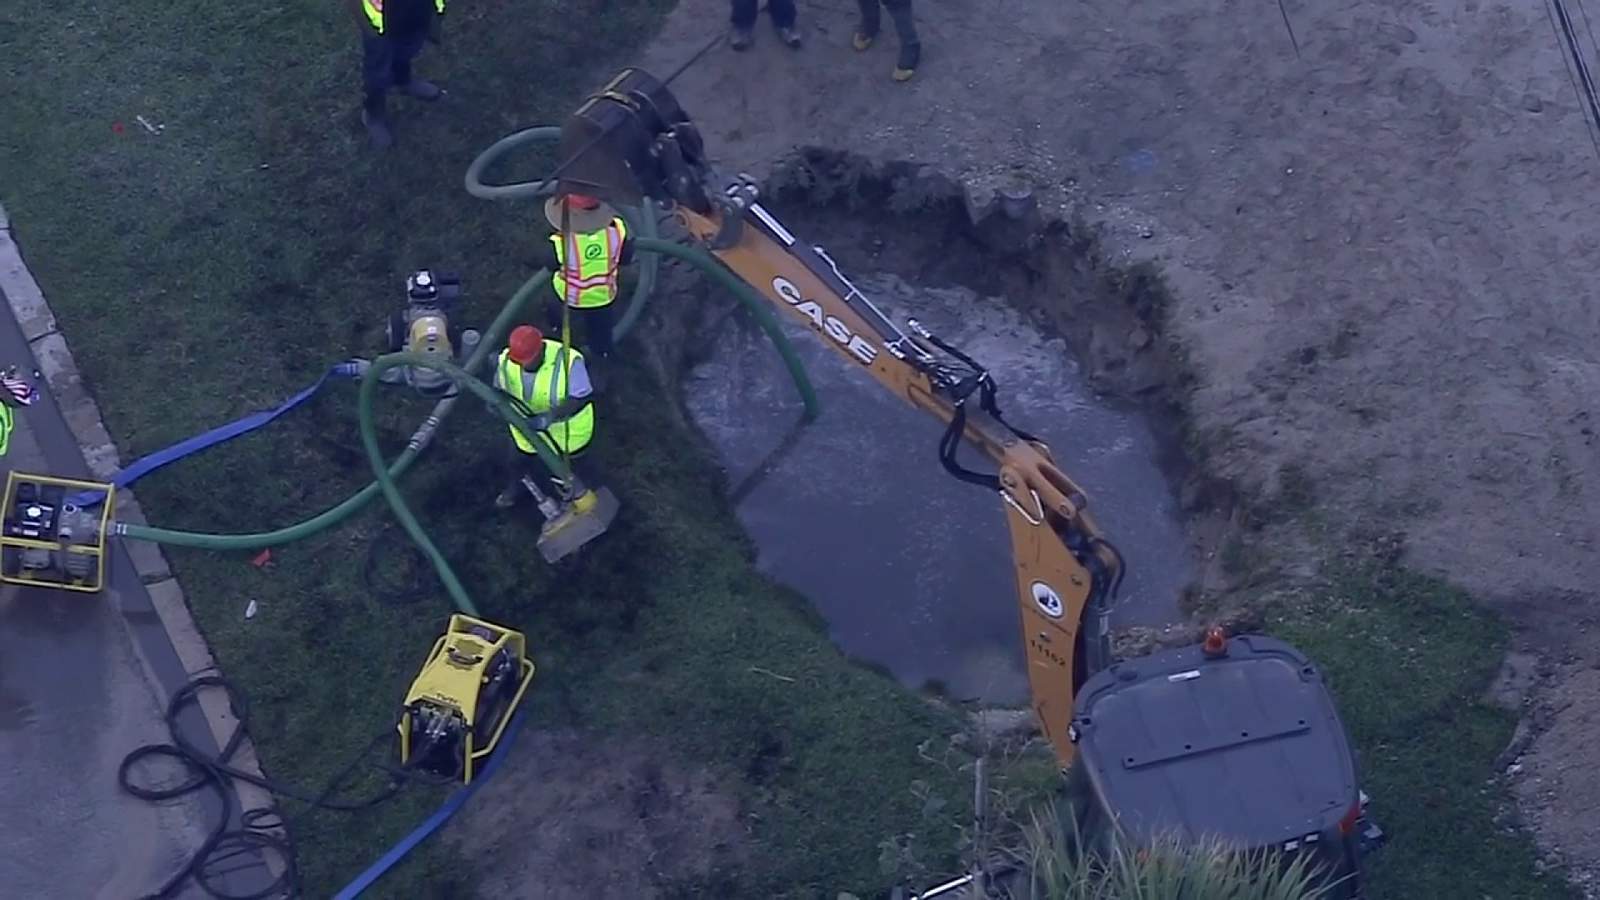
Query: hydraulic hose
{"x": 497, "y": 400}
{"x": 753, "y": 301}
{"x": 353, "y": 504}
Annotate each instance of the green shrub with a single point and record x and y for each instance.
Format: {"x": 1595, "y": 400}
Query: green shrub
{"x": 1055, "y": 865}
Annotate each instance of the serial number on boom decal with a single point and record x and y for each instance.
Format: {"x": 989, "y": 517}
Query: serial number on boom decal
{"x": 830, "y": 325}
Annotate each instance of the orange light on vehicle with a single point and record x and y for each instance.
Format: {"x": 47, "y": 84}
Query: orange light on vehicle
{"x": 1216, "y": 642}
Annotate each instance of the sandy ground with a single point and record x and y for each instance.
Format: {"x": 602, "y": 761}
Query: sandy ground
{"x": 1380, "y": 248}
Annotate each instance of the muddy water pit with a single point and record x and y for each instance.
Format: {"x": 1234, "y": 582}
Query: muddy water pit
{"x": 910, "y": 567}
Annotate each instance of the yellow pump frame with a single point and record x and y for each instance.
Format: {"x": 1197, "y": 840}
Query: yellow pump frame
{"x": 98, "y": 548}
{"x": 453, "y": 677}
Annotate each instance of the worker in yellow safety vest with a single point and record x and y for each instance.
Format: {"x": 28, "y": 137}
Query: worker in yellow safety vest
{"x": 584, "y": 264}
{"x": 392, "y": 34}
{"x": 548, "y": 379}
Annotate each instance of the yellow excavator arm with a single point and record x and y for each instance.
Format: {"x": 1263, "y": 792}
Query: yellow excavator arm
{"x": 632, "y": 140}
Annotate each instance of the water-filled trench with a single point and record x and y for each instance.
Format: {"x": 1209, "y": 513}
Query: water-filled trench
{"x": 910, "y": 567}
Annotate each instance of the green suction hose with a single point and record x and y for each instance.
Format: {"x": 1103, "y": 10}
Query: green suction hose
{"x": 641, "y": 220}
{"x": 521, "y": 190}
{"x": 497, "y": 400}
{"x": 754, "y": 302}
{"x": 336, "y": 515}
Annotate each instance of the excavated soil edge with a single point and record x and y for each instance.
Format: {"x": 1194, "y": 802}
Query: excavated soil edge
{"x": 910, "y": 220}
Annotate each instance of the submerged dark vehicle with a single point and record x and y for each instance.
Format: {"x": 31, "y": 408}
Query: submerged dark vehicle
{"x": 1235, "y": 740}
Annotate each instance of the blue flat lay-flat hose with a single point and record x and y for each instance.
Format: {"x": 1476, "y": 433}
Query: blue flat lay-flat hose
{"x": 145, "y": 465}
{"x": 440, "y": 816}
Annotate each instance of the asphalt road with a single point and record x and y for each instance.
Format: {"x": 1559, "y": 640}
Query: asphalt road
{"x": 84, "y": 679}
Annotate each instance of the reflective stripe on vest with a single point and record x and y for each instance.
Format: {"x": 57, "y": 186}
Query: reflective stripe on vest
{"x": 598, "y": 254}
{"x": 543, "y": 391}
{"x": 374, "y": 11}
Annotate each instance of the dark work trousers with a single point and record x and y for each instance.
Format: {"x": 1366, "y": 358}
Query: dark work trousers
{"x": 386, "y": 62}
{"x": 592, "y": 324}
{"x": 782, "y": 12}
{"x": 532, "y": 465}
{"x": 899, "y": 10}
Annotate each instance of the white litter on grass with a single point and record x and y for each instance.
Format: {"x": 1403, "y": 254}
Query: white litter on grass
{"x": 250, "y": 611}
{"x": 153, "y": 129}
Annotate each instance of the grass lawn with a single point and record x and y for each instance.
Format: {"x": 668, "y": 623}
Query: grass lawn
{"x": 217, "y": 266}
{"x": 1409, "y": 661}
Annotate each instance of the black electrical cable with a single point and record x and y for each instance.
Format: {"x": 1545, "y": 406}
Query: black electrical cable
{"x": 215, "y": 772}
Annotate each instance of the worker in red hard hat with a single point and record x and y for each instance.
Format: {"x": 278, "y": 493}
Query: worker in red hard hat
{"x": 549, "y": 380}
{"x": 584, "y": 266}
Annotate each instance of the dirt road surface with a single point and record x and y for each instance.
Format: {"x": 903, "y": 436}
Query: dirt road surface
{"x": 1380, "y": 245}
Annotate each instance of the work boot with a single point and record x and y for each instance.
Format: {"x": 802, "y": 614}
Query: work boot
{"x": 740, "y": 39}
{"x": 790, "y": 38}
{"x": 419, "y": 89}
{"x": 905, "y": 28}
{"x": 376, "y": 120}
{"x": 906, "y": 65}
{"x": 867, "y": 27}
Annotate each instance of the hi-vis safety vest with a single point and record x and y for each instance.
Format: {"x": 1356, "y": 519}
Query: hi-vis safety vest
{"x": 6, "y": 422}
{"x": 543, "y": 391}
{"x": 599, "y": 254}
{"x": 374, "y": 10}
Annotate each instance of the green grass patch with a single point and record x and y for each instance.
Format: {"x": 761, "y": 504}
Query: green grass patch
{"x": 217, "y": 266}
{"x": 1409, "y": 660}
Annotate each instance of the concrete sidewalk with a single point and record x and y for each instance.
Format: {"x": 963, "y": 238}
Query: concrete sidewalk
{"x": 84, "y": 679}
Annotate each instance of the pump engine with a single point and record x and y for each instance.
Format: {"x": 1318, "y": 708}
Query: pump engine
{"x": 424, "y": 327}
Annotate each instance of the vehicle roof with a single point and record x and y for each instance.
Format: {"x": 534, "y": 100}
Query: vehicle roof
{"x": 1247, "y": 747}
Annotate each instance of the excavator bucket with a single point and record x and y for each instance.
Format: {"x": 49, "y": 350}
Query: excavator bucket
{"x": 579, "y": 522}
{"x": 629, "y": 139}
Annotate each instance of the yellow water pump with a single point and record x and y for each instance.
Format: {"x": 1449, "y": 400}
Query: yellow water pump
{"x": 461, "y": 701}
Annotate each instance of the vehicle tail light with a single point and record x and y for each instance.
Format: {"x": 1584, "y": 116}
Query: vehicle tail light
{"x": 1347, "y": 825}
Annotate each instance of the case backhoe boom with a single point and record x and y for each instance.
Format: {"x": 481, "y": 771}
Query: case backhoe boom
{"x": 632, "y": 139}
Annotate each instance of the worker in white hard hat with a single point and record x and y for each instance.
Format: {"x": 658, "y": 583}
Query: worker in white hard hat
{"x": 585, "y": 265}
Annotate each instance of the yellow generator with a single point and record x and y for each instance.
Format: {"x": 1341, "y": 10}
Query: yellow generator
{"x": 459, "y": 704}
{"x": 51, "y": 533}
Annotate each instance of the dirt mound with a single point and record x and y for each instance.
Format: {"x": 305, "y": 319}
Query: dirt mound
{"x": 611, "y": 821}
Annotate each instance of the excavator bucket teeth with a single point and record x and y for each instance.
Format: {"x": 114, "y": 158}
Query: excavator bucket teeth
{"x": 580, "y": 522}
